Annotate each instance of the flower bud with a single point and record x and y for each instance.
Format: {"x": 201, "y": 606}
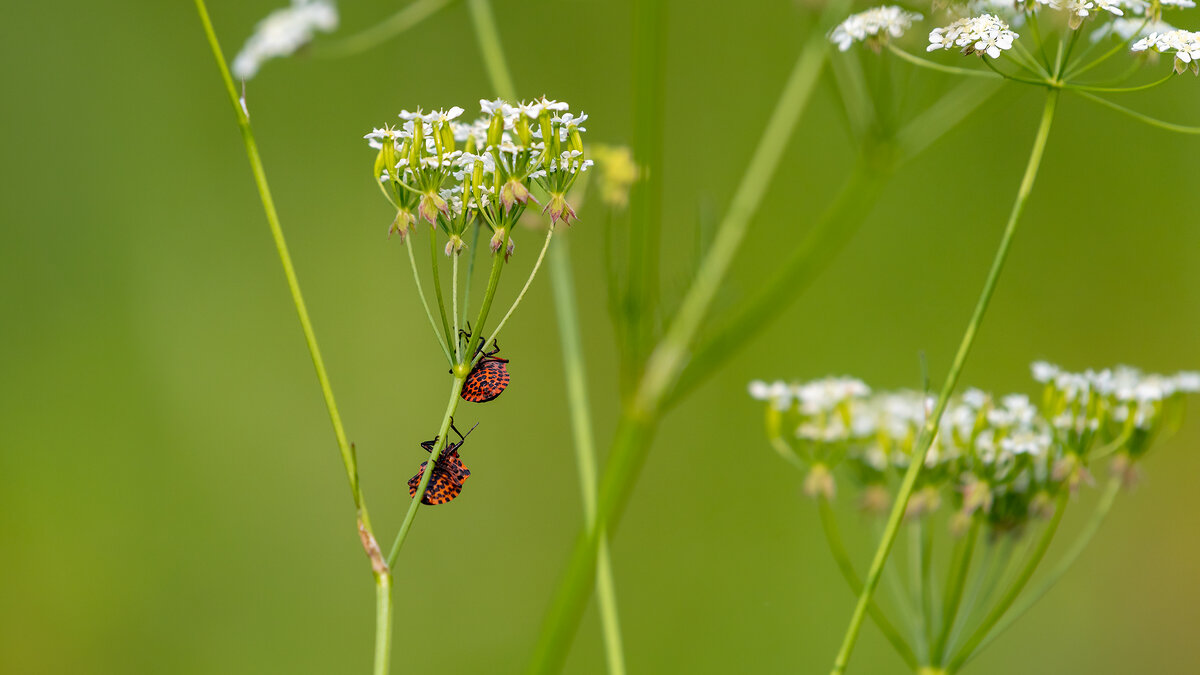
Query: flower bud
{"x": 819, "y": 482}
{"x": 431, "y": 205}
{"x": 559, "y": 209}
{"x": 403, "y": 224}
{"x": 497, "y": 239}
{"x": 514, "y": 192}
{"x": 455, "y": 245}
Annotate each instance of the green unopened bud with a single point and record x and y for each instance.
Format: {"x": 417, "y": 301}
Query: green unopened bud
{"x": 416, "y": 148}
{"x": 524, "y": 133}
{"x": 447, "y": 138}
{"x": 495, "y": 132}
{"x": 577, "y": 141}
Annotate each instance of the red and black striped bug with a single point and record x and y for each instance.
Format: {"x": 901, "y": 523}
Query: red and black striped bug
{"x": 449, "y": 474}
{"x": 488, "y": 378}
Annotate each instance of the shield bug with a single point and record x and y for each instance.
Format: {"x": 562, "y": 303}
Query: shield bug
{"x": 487, "y": 379}
{"x": 449, "y": 474}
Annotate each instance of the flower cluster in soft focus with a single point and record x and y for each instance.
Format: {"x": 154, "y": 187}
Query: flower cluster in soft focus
{"x": 1005, "y": 457}
{"x": 984, "y": 34}
{"x": 283, "y": 32}
{"x": 450, "y": 173}
{"x": 873, "y": 27}
{"x": 1184, "y": 44}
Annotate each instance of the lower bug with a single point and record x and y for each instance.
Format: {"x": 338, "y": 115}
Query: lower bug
{"x": 449, "y": 474}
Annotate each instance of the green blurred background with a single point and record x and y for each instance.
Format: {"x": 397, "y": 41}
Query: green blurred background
{"x": 171, "y": 499}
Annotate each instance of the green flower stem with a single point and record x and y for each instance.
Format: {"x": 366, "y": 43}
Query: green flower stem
{"x": 454, "y": 308}
{"x": 831, "y": 232}
{"x": 956, "y": 578}
{"x": 987, "y": 62}
{"x": 383, "y": 624}
{"x": 489, "y": 295}
{"x": 470, "y": 273}
{"x": 563, "y": 283}
{"x": 974, "y": 643}
{"x": 933, "y": 65}
{"x": 380, "y": 570}
{"x": 1119, "y": 90}
{"x": 833, "y": 538}
{"x": 451, "y": 338}
{"x": 925, "y": 556}
{"x": 638, "y": 421}
{"x": 412, "y": 261}
{"x": 1071, "y": 74}
{"x": 442, "y": 438}
{"x": 488, "y": 37}
{"x": 1178, "y": 128}
{"x": 381, "y": 32}
{"x": 645, "y": 206}
{"x": 1064, "y": 564}
{"x": 960, "y": 358}
{"x": 520, "y": 296}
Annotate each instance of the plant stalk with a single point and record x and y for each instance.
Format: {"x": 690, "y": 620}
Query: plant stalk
{"x": 929, "y": 431}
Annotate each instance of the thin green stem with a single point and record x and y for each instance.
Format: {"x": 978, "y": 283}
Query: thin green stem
{"x": 929, "y": 621}
{"x": 381, "y": 32}
{"x": 1028, "y": 61}
{"x": 412, "y": 262}
{"x": 956, "y": 578}
{"x": 833, "y": 538}
{"x": 454, "y": 308}
{"x": 488, "y": 38}
{"x": 524, "y": 289}
{"x": 1110, "y": 53}
{"x": 489, "y": 295}
{"x": 349, "y": 459}
{"x": 1119, "y": 90}
{"x": 638, "y": 421}
{"x": 975, "y": 642}
{"x": 933, "y": 65}
{"x": 1154, "y": 122}
{"x": 383, "y": 623}
{"x": 563, "y": 284}
{"x": 1031, "y": 18}
{"x": 470, "y": 273}
{"x": 988, "y": 62}
{"x": 434, "y": 455}
{"x": 437, "y": 289}
{"x": 960, "y": 358}
{"x": 1065, "y": 563}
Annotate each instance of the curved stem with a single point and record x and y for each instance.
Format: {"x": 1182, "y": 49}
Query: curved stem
{"x": 1154, "y": 122}
{"x": 925, "y": 556}
{"x": 563, "y": 284}
{"x": 1064, "y": 564}
{"x": 415, "y": 502}
{"x": 381, "y": 32}
{"x": 488, "y": 38}
{"x": 933, "y": 65}
{"x": 349, "y": 458}
{"x": 833, "y": 538}
{"x": 1119, "y": 90}
{"x": 437, "y": 287}
{"x": 412, "y": 261}
{"x": 964, "y": 348}
{"x": 1110, "y": 53}
{"x": 520, "y": 296}
{"x": 973, "y": 643}
{"x": 987, "y": 62}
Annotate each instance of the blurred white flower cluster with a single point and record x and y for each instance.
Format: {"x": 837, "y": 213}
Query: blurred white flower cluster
{"x": 1184, "y": 44}
{"x": 433, "y": 167}
{"x": 872, "y": 26}
{"x": 283, "y": 32}
{"x": 1005, "y": 457}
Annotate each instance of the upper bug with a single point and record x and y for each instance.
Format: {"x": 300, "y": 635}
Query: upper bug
{"x": 488, "y": 378}
{"x": 449, "y": 474}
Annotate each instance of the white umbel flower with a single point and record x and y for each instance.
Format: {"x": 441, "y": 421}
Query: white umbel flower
{"x": 1184, "y": 44}
{"x": 872, "y": 26}
{"x": 283, "y": 32}
{"x": 984, "y": 34}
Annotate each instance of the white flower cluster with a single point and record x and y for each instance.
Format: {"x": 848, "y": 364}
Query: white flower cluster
{"x": 872, "y": 26}
{"x": 447, "y": 171}
{"x": 984, "y": 34}
{"x": 282, "y": 32}
{"x": 1002, "y": 456}
{"x": 1078, "y": 10}
{"x": 1184, "y": 44}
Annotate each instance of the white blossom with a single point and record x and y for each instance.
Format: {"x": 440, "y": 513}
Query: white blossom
{"x": 1184, "y": 44}
{"x": 876, "y": 23}
{"x": 984, "y": 34}
{"x": 283, "y": 32}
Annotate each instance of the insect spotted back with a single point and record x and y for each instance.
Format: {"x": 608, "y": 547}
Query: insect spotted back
{"x": 448, "y": 474}
{"x": 488, "y": 379}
